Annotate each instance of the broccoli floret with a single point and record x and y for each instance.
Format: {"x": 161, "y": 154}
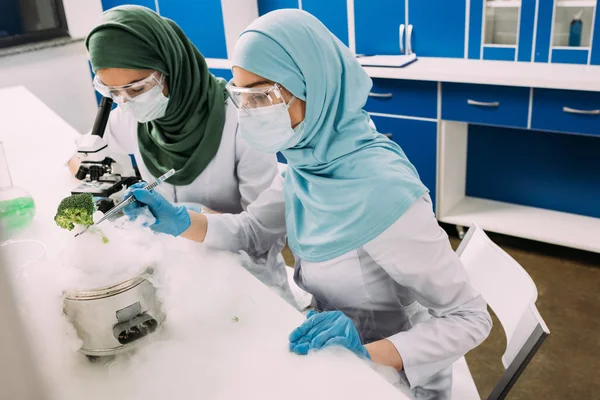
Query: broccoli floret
{"x": 76, "y": 209}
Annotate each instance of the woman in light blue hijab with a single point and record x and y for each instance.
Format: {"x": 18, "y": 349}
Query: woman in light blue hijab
{"x": 360, "y": 222}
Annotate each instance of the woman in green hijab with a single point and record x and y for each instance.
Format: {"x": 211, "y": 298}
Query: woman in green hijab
{"x": 173, "y": 113}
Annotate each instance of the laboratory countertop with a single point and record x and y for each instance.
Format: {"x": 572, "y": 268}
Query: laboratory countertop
{"x": 37, "y": 143}
{"x": 524, "y": 74}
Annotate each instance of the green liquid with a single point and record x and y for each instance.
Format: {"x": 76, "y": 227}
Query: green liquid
{"x": 16, "y": 213}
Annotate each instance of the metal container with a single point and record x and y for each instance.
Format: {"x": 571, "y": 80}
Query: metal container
{"x": 115, "y": 318}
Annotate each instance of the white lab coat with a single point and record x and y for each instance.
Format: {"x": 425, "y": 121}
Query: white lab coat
{"x": 230, "y": 183}
{"x": 407, "y": 285}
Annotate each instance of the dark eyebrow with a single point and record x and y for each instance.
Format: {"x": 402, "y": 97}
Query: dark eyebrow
{"x": 258, "y": 83}
{"x": 137, "y": 80}
{"x": 133, "y": 81}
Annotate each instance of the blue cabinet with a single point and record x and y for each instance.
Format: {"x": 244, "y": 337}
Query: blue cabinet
{"x": 566, "y": 111}
{"x": 266, "y": 6}
{"x": 377, "y": 24}
{"x": 501, "y": 30}
{"x": 418, "y": 139}
{"x": 403, "y": 97}
{"x": 222, "y": 73}
{"x": 537, "y": 169}
{"x": 567, "y": 32}
{"x": 438, "y": 27}
{"x": 106, "y": 4}
{"x": 485, "y": 104}
{"x": 332, "y": 13}
{"x": 202, "y": 22}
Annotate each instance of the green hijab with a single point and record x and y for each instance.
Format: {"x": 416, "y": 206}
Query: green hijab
{"x": 188, "y": 136}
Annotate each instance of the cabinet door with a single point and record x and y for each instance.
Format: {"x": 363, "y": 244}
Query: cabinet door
{"x": 332, "y": 13}
{"x": 202, "y": 22}
{"x": 595, "y": 57}
{"x": 418, "y": 139}
{"x": 502, "y": 29}
{"x": 566, "y": 32}
{"x": 377, "y": 24}
{"x": 266, "y": 6}
{"x": 438, "y": 27}
{"x": 106, "y": 4}
{"x": 222, "y": 73}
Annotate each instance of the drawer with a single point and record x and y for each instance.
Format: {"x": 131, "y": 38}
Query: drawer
{"x": 566, "y": 111}
{"x": 485, "y": 104}
{"x": 403, "y": 97}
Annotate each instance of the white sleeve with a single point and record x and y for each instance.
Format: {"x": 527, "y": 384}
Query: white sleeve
{"x": 255, "y": 230}
{"x": 121, "y": 132}
{"x": 416, "y": 253}
{"x": 255, "y": 170}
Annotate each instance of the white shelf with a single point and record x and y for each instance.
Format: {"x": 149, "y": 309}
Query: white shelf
{"x": 576, "y": 3}
{"x": 548, "y": 226}
{"x": 503, "y": 4}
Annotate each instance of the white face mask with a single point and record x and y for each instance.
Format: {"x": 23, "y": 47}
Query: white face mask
{"x": 147, "y": 106}
{"x": 269, "y": 129}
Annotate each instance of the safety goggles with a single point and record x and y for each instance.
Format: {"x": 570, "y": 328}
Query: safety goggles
{"x": 130, "y": 91}
{"x": 252, "y": 98}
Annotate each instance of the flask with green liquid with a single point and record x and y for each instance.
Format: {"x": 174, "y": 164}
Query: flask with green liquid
{"x": 16, "y": 204}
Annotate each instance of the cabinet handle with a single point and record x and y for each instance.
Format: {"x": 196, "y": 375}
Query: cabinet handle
{"x": 409, "y": 31}
{"x": 584, "y": 112}
{"x": 387, "y": 135}
{"x": 483, "y": 103}
{"x": 402, "y": 38}
{"x": 381, "y": 95}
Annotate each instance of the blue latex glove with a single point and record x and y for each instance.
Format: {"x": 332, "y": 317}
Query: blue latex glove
{"x": 170, "y": 219}
{"x": 329, "y": 328}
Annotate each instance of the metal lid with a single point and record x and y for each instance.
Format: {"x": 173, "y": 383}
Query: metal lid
{"x": 112, "y": 290}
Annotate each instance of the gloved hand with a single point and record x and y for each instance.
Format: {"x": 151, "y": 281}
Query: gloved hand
{"x": 329, "y": 328}
{"x": 170, "y": 219}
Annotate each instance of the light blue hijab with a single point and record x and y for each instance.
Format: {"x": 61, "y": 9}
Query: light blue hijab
{"x": 345, "y": 183}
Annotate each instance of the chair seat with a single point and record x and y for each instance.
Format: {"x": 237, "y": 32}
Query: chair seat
{"x": 463, "y": 386}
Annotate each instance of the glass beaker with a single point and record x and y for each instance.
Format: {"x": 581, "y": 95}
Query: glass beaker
{"x": 17, "y": 208}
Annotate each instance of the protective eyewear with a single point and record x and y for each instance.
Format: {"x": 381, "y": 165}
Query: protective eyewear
{"x": 130, "y": 91}
{"x": 251, "y": 98}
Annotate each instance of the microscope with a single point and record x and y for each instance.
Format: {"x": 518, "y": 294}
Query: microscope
{"x": 100, "y": 174}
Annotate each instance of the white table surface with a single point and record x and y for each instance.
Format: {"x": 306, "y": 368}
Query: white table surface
{"x": 37, "y": 143}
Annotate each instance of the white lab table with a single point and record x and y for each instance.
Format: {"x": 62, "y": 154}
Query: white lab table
{"x": 38, "y": 143}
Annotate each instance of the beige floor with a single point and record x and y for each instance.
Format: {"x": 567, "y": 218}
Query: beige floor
{"x": 567, "y": 366}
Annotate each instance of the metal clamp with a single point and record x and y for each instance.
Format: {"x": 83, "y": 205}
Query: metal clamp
{"x": 402, "y": 27}
{"x": 483, "y": 103}
{"x": 583, "y": 112}
{"x": 381, "y": 95}
{"x": 409, "y": 31}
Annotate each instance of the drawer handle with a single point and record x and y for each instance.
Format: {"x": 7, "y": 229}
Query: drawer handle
{"x": 584, "y": 112}
{"x": 381, "y": 95}
{"x": 483, "y": 103}
{"x": 387, "y": 135}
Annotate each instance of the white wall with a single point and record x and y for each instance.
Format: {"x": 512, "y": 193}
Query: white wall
{"x": 60, "y": 76}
